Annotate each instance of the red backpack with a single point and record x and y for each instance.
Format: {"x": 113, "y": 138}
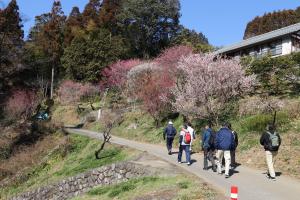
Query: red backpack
{"x": 187, "y": 138}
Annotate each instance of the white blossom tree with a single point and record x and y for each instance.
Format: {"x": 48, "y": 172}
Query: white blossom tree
{"x": 207, "y": 83}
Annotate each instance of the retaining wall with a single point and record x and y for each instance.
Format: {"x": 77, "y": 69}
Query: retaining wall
{"x": 74, "y": 186}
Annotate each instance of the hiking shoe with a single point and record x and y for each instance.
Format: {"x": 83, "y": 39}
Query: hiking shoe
{"x": 205, "y": 168}
{"x": 226, "y": 176}
{"x": 179, "y": 162}
{"x": 214, "y": 170}
{"x": 170, "y": 153}
{"x": 272, "y": 178}
{"x": 188, "y": 163}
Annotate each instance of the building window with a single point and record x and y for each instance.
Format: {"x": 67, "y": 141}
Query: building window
{"x": 265, "y": 50}
{"x": 276, "y": 48}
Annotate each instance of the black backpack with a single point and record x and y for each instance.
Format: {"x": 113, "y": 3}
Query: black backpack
{"x": 212, "y": 139}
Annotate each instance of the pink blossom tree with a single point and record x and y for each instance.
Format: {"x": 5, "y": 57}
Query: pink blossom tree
{"x": 146, "y": 82}
{"x": 116, "y": 74}
{"x": 207, "y": 83}
{"x": 72, "y": 92}
{"x": 170, "y": 57}
{"x": 21, "y": 104}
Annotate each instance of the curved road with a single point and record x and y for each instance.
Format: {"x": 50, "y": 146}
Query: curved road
{"x": 252, "y": 184}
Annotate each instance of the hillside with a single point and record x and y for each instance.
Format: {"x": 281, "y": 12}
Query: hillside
{"x": 77, "y": 156}
{"x": 271, "y": 21}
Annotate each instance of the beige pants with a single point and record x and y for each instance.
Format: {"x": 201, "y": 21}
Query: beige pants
{"x": 270, "y": 156}
{"x": 220, "y": 154}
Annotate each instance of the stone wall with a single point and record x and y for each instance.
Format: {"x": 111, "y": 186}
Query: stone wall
{"x": 74, "y": 186}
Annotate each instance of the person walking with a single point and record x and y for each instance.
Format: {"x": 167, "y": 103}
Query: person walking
{"x": 185, "y": 139}
{"x": 169, "y": 134}
{"x": 271, "y": 142}
{"x": 232, "y": 151}
{"x": 191, "y": 131}
{"x": 208, "y": 138}
{"x": 224, "y": 142}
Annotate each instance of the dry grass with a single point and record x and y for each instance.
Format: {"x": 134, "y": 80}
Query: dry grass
{"x": 66, "y": 115}
{"x": 287, "y": 161}
{"x": 25, "y": 157}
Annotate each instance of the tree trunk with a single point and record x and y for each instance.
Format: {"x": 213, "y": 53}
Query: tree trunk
{"x": 52, "y": 81}
{"x": 100, "y": 149}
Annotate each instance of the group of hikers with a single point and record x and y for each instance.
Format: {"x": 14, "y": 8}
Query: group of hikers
{"x": 219, "y": 147}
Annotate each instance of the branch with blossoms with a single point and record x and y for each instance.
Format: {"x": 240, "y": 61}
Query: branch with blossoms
{"x": 207, "y": 84}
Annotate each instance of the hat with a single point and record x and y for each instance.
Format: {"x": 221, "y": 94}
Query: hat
{"x": 170, "y": 122}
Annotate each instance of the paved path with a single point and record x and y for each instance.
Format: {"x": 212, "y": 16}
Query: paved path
{"x": 252, "y": 184}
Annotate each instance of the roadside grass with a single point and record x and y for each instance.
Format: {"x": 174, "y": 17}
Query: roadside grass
{"x": 176, "y": 187}
{"x": 65, "y": 114}
{"x": 140, "y": 126}
{"x": 78, "y": 158}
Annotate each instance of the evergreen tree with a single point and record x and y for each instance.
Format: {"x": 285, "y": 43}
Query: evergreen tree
{"x": 11, "y": 42}
{"x": 91, "y": 14}
{"x": 108, "y": 14}
{"x": 51, "y": 39}
{"x": 87, "y": 56}
{"x": 73, "y": 26}
{"x": 149, "y": 24}
{"x": 191, "y": 38}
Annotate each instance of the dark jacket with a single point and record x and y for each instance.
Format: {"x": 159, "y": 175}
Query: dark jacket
{"x": 224, "y": 139}
{"x": 169, "y": 132}
{"x": 266, "y": 142}
{"x": 236, "y": 139}
{"x": 206, "y": 137}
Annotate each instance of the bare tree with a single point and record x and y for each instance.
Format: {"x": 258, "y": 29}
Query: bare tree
{"x": 108, "y": 121}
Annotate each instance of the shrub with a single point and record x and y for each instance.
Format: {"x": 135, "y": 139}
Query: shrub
{"x": 116, "y": 74}
{"x": 72, "y": 92}
{"x": 257, "y": 105}
{"x": 258, "y": 123}
{"x": 21, "y": 104}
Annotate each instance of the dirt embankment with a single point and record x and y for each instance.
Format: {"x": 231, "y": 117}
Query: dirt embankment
{"x": 23, "y": 146}
{"x": 287, "y": 161}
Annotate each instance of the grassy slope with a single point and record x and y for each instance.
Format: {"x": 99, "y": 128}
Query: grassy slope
{"x": 177, "y": 187}
{"x": 79, "y": 158}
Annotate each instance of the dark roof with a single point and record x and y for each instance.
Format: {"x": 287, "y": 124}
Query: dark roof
{"x": 260, "y": 38}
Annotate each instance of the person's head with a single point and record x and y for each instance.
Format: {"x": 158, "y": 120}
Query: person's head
{"x": 189, "y": 124}
{"x": 184, "y": 126}
{"x": 225, "y": 125}
{"x": 207, "y": 126}
{"x": 271, "y": 127}
{"x": 170, "y": 123}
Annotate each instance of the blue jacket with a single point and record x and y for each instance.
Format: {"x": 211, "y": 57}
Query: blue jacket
{"x": 224, "y": 139}
{"x": 170, "y": 132}
{"x": 206, "y": 137}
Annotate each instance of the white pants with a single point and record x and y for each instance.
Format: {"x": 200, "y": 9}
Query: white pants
{"x": 220, "y": 154}
{"x": 270, "y": 157}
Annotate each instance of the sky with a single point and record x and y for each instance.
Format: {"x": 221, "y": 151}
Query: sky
{"x": 222, "y": 21}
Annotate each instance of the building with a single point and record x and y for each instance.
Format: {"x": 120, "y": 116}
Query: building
{"x": 280, "y": 42}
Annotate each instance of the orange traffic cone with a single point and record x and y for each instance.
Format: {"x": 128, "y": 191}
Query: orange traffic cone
{"x": 234, "y": 193}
